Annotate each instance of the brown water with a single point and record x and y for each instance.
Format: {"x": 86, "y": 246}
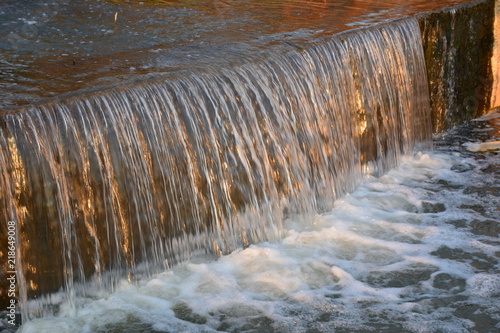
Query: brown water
{"x": 53, "y": 47}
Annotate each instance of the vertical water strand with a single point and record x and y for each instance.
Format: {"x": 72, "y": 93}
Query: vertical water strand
{"x": 419, "y": 122}
{"x": 46, "y": 185}
{"x": 146, "y": 208}
{"x": 408, "y": 67}
{"x": 54, "y": 129}
{"x": 338, "y": 125}
{"x": 77, "y": 163}
{"x": 196, "y": 203}
{"x": 224, "y": 193}
{"x": 11, "y": 184}
{"x": 374, "y": 99}
{"x": 253, "y": 180}
{"x": 153, "y": 139}
{"x": 389, "y": 96}
{"x": 100, "y": 184}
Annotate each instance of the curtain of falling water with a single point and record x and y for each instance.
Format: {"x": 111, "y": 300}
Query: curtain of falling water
{"x": 133, "y": 179}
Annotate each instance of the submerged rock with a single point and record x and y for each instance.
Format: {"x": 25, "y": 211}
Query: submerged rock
{"x": 184, "y": 312}
{"x": 447, "y": 282}
{"x": 429, "y": 207}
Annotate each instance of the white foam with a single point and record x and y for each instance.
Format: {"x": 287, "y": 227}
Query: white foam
{"x": 61, "y": 325}
{"x": 482, "y": 146}
{"x": 484, "y": 285}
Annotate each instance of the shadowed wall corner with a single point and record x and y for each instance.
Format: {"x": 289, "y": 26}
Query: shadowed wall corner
{"x": 458, "y": 48}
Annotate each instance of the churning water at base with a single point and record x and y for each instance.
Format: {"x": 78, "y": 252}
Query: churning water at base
{"x": 131, "y": 180}
{"x": 415, "y": 250}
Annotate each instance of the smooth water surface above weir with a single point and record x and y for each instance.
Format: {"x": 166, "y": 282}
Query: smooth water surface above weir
{"x": 53, "y": 46}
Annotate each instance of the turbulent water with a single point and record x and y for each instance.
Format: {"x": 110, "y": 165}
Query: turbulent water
{"x": 415, "y": 250}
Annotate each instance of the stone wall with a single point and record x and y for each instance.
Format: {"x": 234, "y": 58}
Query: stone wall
{"x": 458, "y": 46}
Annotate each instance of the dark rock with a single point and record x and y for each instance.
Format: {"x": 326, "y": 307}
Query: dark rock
{"x": 325, "y": 317}
{"x": 256, "y": 325}
{"x": 445, "y": 252}
{"x": 336, "y": 296}
{"x": 487, "y": 227}
{"x": 482, "y": 191}
{"x": 483, "y": 265}
{"x": 447, "y": 302}
{"x": 401, "y": 279}
{"x": 429, "y": 207}
{"x": 484, "y": 322}
{"x": 458, "y": 223}
{"x": 448, "y": 282}
{"x": 480, "y": 261}
{"x": 494, "y": 169}
{"x": 223, "y": 327}
{"x": 184, "y": 312}
{"x": 448, "y": 185}
{"x": 477, "y": 208}
{"x": 131, "y": 324}
{"x": 462, "y": 168}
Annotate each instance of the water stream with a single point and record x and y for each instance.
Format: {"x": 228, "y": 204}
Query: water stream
{"x": 211, "y": 191}
{"x": 137, "y": 178}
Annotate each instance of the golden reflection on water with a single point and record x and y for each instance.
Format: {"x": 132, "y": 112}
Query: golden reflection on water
{"x": 17, "y": 168}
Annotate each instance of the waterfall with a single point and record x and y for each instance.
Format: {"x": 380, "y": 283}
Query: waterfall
{"x": 133, "y": 179}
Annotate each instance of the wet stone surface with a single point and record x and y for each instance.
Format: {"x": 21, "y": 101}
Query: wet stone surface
{"x": 447, "y": 282}
{"x": 401, "y": 279}
{"x": 486, "y": 227}
{"x": 483, "y": 200}
{"x": 429, "y": 207}
{"x": 184, "y": 312}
